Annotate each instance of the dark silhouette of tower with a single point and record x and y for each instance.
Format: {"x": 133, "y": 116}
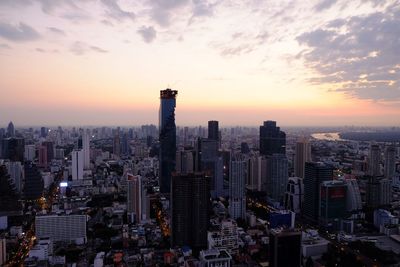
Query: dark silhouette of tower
{"x": 190, "y": 197}
{"x": 13, "y": 149}
{"x": 213, "y": 130}
{"x": 33, "y": 182}
{"x": 314, "y": 175}
{"x": 272, "y": 139}
{"x": 167, "y": 138}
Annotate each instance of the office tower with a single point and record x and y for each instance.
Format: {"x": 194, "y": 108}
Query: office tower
{"x": 215, "y": 258}
{"x": 379, "y": 191}
{"x": 272, "y": 139}
{"x": 332, "y": 203}
{"x": 353, "y": 195}
{"x": 374, "y": 160}
{"x": 30, "y": 152}
{"x": 254, "y": 173}
{"x": 117, "y": 144}
{"x": 185, "y": 136}
{"x": 302, "y": 155}
{"x": 212, "y": 164}
{"x": 314, "y": 175}
{"x": 125, "y": 149}
{"x": 77, "y": 164}
{"x": 390, "y": 161}
{"x": 43, "y": 132}
{"x": 167, "y": 138}
{"x": 34, "y": 185}
{"x": 10, "y": 130}
{"x": 3, "y": 251}
{"x": 237, "y": 187}
{"x": 285, "y": 248}
{"x": 13, "y": 149}
{"x": 134, "y": 198}
{"x": 50, "y": 150}
{"x": 213, "y": 130}
{"x": 277, "y": 176}
{"x": 190, "y": 197}
{"x": 185, "y": 161}
{"x": 9, "y": 204}
{"x": 16, "y": 174}
{"x": 61, "y": 227}
{"x": 244, "y": 148}
{"x": 42, "y": 151}
{"x": 385, "y": 191}
{"x": 294, "y": 194}
{"x": 86, "y": 149}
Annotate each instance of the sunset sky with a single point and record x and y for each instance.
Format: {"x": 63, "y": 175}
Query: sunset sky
{"x": 103, "y": 62}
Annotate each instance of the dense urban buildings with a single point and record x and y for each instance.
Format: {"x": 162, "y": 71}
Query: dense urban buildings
{"x": 237, "y": 196}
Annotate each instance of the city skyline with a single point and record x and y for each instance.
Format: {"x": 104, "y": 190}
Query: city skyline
{"x": 319, "y": 63}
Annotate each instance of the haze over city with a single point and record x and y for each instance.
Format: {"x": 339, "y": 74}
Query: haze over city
{"x": 302, "y": 63}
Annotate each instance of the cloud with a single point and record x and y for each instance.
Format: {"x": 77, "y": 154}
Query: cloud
{"x": 56, "y": 31}
{"x": 5, "y": 46}
{"x": 81, "y": 48}
{"x": 324, "y": 4}
{"x": 358, "y": 56}
{"x": 40, "y": 50}
{"x": 148, "y": 33}
{"x": 114, "y": 11}
{"x": 161, "y": 10}
{"x": 18, "y": 33}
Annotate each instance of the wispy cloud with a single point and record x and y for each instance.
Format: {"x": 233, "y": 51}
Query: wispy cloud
{"x": 81, "y": 48}
{"x": 18, "y": 33}
{"x": 114, "y": 11}
{"x": 148, "y": 33}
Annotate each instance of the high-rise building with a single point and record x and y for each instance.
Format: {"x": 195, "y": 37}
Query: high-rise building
{"x": 190, "y": 197}
{"x": 117, "y": 144}
{"x": 374, "y": 160}
{"x": 167, "y": 138}
{"x": 10, "y": 130}
{"x": 332, "y": 203}
{"x": 211, "y": 164}
{"x": 294, "y": 194}
{"x": 134, "y": 198}
{"x": 277, "y": 176}
{"x": 213, "y": 130}
{"x": 390, "y": 161}
{"x": 34, "y": 184}
{"x": 302, "y": 155}
{"x": 379, "y": 191}
{"x": 61, "y": 227}
{"x": 42, "y": 151}
{"x": 353, "y": 197}
{"x": 77, "y": 164}
{"x": 30, "y": 152}
{"x": 272, "y": 139}
{"x": 50, "y": 150}
{"x": 43, "y": 132}
{"x": 16, "y": 174}
{"x": 9, "y": 204}
{"x": 237, "y": 187}
{"x": 315, "y": 174}
{"x": 86, "y": 149}
{"x": 185, "y": 161}
{"x": 285, "y": 248}
{"x": 3, "y": 251}
{"x": 13, "y": 149}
